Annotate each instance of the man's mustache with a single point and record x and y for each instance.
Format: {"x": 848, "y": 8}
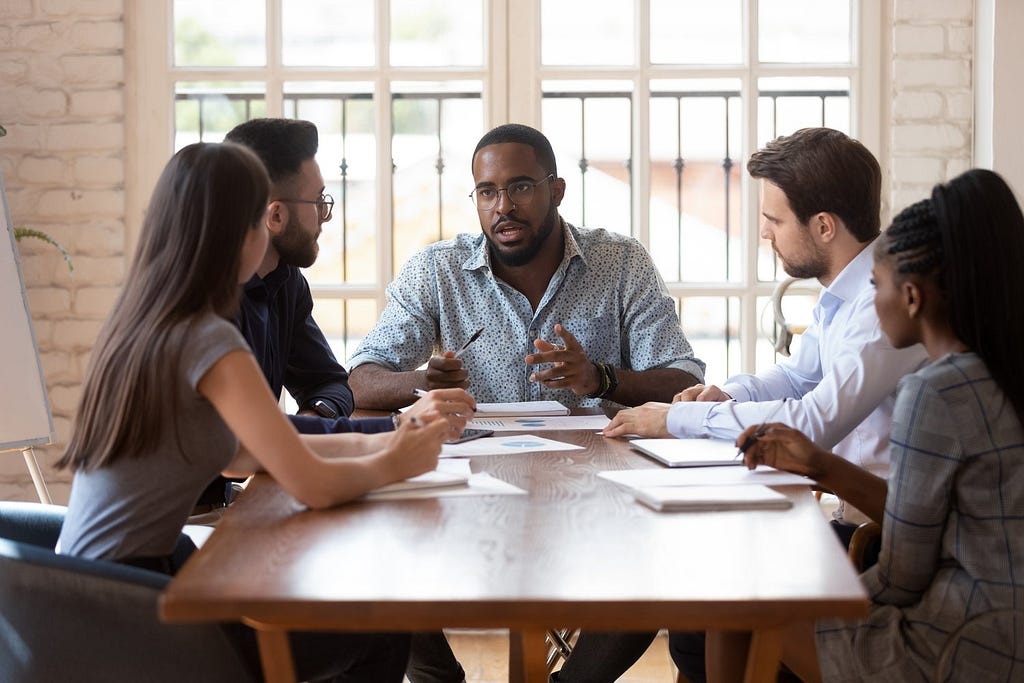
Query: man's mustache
{"x": 505, "y": 218}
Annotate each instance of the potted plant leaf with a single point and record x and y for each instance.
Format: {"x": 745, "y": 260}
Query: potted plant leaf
{"x": 21, "y": 233}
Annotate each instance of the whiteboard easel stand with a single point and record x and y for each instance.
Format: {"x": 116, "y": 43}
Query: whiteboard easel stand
{"x": 25, "y": 418}
{"x": 37, "y": 474}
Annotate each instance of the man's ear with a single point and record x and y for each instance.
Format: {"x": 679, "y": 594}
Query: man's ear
{"x": 558, "y": 190}
{"x": 277, "y": 217}
{"x": 825, "y": 225}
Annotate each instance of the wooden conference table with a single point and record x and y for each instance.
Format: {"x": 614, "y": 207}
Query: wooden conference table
{"x": 576, "y": 551}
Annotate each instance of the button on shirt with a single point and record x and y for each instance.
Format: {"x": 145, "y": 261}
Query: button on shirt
{"x": 840, "y": 385}
{"x": 606, "y": 292}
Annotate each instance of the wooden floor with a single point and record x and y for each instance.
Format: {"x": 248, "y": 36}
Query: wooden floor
{"x": 484, "y": 656}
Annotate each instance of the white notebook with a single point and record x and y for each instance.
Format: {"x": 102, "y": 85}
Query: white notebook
{"x": 689, "y": 452}
{"x": 702, "y": 498}
{"x": 520, "y": 409}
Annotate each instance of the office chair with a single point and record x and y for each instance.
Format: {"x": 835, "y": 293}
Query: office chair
{"x": 783, "y": 331}
{"x": 70, "y": 619}
{"x": 865, "y": 544}
{"x": 560, "y": 642}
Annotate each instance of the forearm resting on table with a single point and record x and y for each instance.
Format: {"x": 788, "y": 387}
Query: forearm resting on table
{"x": 347, "y": 445}
{"x": 378, "y": 388}
{"x": 657, "y": 384}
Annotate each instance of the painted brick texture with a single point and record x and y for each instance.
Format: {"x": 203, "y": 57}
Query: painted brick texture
{"x": 62, "y": 79}
{"x": 931, "y": 129}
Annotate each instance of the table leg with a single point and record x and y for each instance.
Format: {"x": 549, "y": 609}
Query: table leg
{"x": 763, "y": 656}
{"x": 527, "y": 656}
{"x": 275, "y": 655}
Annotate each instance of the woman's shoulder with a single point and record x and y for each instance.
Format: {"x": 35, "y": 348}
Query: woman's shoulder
{"x": 952, "y": 371}
{"x": 208, "y": 338}
{"x": 209, "y": 328}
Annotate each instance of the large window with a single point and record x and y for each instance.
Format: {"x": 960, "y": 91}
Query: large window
{"x": 653, "y": 107}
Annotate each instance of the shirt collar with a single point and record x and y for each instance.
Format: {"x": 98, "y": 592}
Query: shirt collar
{"x": 850, "y": 281}
{"x": 269, "y": 284}
{"x": 481, "y": 256}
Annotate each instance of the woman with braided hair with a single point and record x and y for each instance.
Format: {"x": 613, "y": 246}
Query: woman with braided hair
{"x": 947, "y": 274}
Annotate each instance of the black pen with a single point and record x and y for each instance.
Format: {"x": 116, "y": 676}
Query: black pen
{"x": 749, "y": 441}
{"x": 469, "y": 341}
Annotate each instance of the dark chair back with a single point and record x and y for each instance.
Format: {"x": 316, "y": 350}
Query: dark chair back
{"x": 71, "y": 619}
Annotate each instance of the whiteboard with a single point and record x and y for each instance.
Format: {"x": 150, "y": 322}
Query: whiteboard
{"x": 25, "y": 418}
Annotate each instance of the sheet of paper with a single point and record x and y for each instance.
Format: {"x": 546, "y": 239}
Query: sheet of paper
{"x": 479, "y": 484}
{"x": 702, "y": 476}
{"x": 449, "y": 474}
{"x": 521, "y": 408}
{"x": 503, "y": 445}
{"x": 593, "y": 423}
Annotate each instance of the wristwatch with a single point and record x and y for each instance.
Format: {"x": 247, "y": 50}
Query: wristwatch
{"x": 324, "y": 409}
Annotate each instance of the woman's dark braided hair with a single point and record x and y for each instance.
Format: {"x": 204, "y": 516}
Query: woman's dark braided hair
{"x": 970, "y": 237}
{"x": 914, "y": 240}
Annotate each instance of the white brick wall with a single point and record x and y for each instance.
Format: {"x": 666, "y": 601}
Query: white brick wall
{"x": 61, "y": 79}
{"x": 930, "y": 134}
{"x": 62, "y": 102}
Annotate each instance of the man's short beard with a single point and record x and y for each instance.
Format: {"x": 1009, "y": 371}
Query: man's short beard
{"x": 293, "y": 246}
{"x": 814, "y": 269}
{"x": 526, "y": 253}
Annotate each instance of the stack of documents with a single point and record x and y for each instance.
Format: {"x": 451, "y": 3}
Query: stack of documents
{"x": 698, "y": 498}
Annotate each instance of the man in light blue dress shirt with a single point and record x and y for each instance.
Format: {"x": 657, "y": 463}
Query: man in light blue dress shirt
{"x": 820, "y": 207}
{"x": 568, "y": 314}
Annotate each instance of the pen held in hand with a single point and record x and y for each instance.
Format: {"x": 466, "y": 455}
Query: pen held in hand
{"x": 473, "y": 338}
{"x": 749, "y": 441}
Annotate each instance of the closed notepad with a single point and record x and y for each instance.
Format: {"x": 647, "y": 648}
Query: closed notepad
{"x": 697, "y": 498}
{"x": 689, "y": 452}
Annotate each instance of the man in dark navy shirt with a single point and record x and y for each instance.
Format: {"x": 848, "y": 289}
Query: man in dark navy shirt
{"x": 276, "y": 319}
{"x": 276, "y": 311}
{"x": 277, "y": 308}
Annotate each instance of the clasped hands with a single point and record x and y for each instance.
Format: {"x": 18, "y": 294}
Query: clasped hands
{"x": 567, "y": 367}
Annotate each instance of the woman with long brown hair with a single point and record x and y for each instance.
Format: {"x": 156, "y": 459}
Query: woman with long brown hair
{"x": 173, "y": 397}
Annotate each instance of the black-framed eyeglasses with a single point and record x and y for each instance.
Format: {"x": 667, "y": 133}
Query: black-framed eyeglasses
{"x": 324, "y": 204}
{"x": 519, "y": 192}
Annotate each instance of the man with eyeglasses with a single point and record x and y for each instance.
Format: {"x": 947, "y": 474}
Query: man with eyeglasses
{"x": 276, "y": 316}
{"x": 570, "y": 314}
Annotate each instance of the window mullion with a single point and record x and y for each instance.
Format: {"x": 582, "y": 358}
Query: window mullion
{"x": 385, "y": 158}
{"x": 749, "y": 98}
{"x": 274, "y": 81}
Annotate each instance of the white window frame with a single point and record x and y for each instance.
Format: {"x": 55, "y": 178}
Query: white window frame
{"x": 509, "y": 94}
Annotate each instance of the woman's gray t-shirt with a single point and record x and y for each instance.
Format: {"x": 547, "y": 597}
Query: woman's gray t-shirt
{"x": 137, "y": 506}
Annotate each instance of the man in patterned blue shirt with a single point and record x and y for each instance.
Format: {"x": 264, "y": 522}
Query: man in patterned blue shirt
{"x": 569, "y": 314}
